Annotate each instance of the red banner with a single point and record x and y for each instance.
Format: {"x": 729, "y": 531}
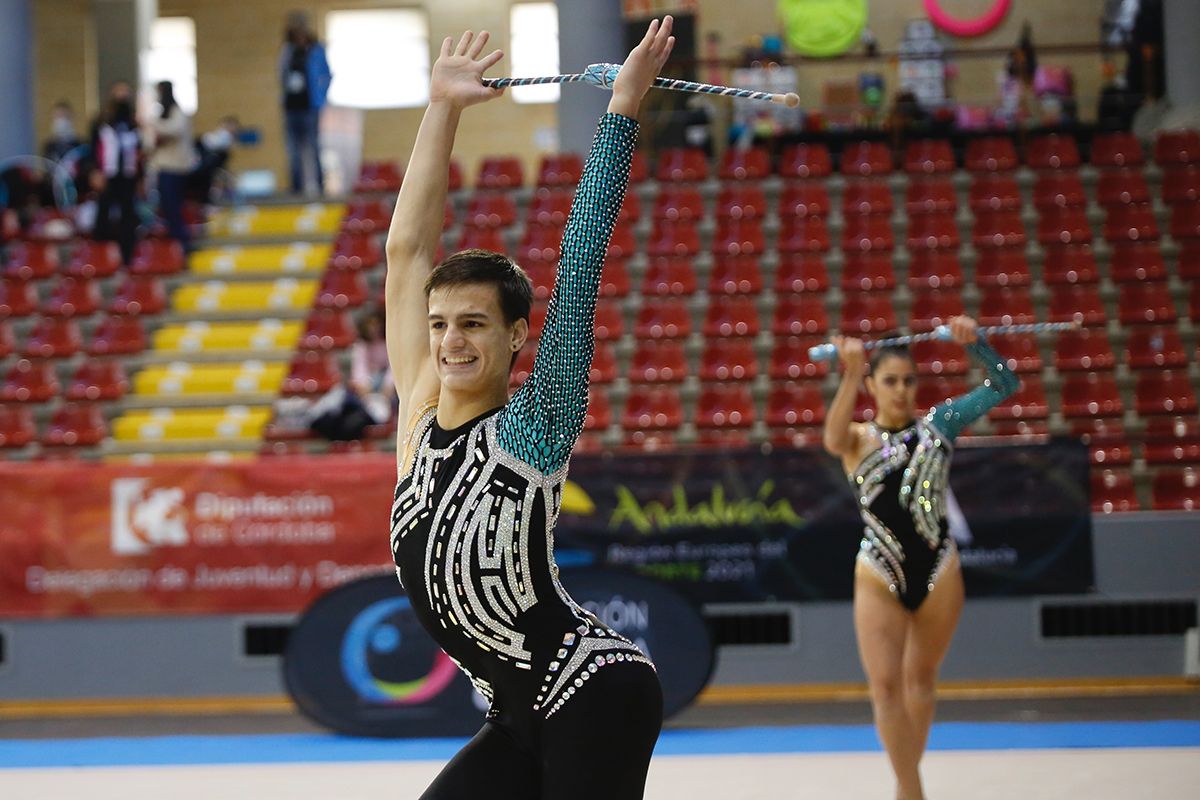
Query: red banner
{"x": 196, "y": 538}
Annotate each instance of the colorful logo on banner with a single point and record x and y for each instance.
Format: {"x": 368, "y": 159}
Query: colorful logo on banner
{"x": 975, "y": 26}
{"x": 372, "y": 640}
{"x": 142, "y": 521}
{"x": 823, "y": 28}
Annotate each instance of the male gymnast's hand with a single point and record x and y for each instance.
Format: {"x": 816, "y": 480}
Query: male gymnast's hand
{"x": 641, "y": 67}
{"x": 457, "y": 75}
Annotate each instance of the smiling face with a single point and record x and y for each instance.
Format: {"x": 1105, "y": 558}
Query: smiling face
{"x": 470, "y": 342}
{"x": 893, "y": 385}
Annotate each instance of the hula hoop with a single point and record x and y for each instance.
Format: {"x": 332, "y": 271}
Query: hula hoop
{"x": 967, "y": 27}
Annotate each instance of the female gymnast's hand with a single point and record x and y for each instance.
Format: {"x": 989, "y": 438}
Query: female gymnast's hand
{"x": 851, "y": 353}
{"x": 641, "y": 67}
{"x": 457, "y": 75}
{"x": 964, "y": 330}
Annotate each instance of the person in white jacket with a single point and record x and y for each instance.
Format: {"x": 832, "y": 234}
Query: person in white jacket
{"x": 172, "y": 160}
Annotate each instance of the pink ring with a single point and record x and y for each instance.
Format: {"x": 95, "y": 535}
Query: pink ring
{"x": 967, "y": 27}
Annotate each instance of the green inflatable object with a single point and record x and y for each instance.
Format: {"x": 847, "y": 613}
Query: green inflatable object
{"x": 822, "y": 28}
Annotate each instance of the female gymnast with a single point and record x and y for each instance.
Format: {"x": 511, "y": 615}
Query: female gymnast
{"x": 908, "y": 588}
{"x": 575, "y": 708}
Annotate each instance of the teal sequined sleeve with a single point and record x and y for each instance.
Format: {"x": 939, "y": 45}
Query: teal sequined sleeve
{"x": 545, "y": 417}
{"x": 953, "y": 416}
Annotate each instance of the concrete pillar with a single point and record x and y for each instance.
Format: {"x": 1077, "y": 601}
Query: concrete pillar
{"x": 122, "y": 38}
{"x": 16, "y": 78}
{"x": 1182, "y": 24}
{"x": 588, "y": 32}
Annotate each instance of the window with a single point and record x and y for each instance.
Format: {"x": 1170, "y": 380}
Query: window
{"x": 534, "y": 30}
{"x": 379, "y": 58}
{"x": 172, "y": 57}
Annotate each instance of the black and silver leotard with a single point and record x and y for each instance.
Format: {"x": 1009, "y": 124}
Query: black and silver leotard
{"x": 574, "y": 707}
{"x": 901, "y": 486}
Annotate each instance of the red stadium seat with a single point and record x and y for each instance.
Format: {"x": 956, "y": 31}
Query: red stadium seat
{"x": 1188, "y": 263}
{"x": 378, "y": 176}
{"x": 118, "y": 336}
{"x": 1185, "y": 221}
{"x": 658, "y": 361}
{"x": 1176, "y": 490}
{"x": 328, "y": 329}
{"x": 867, "y": 314}
{"x": 738, "y": 237}
{"x": 341, "y": 290}
{"x": 367, "y": 216}
{"x": 670, "y": 275}
{"x": 30, "y": 261}
{"x": 1146, "y": 304}
{"x": 1052, "y": 152}
{"x": 681, "y": 164}
{"x": 932, "y": 232}
{"x": 53, "y": 225}
{"x": 867, "y": 232}
{"x": 738, "y": 274}
{"x": 1021, "y": 351}
{"x": 29, "y": 382}
{"x": 472, "y": 238}
{"x": 1002, "y": 266}
{"x": 354, "y": 252}
{"x": 1171, "y": 440}
{"x": 1177, "y": 147}
{"x": 1155, "y": 348}
{"x": 52, "y": 337}
{"x": 1113, "y": 491}
{"x": 622, "y": 244}
{"x": 864, "y": 407}
{"x": 449, "y": 215}
{"x": 803, "y": 199}
{"x": 537, "y": 318}
{"x": 679, "y": 203}
{"x": 866, "y": 197}
{"x": 652, "y": 408}
{"x": 925, "y": 156}
{"x": 8, "y": 344}
{"x": 791, "y": 404}
{"x": 998, "y": 192}
{"x": 98, "y": 380}
{"x": 563, "y": 169}
{"x": 1058, "y": 190}
{"x": 1005, "y": 305}
{"x": 678, "y": 238}
{"x": 1069, "y": 263}
{"x": 1118, "y": 149}
{"x": 157, "y": 257}
{"x": 1122, "y": 186}
{"x": 938, "y": 389}
{"x": 1105, "y": 439}
{"x": 934, "y": 269}
{"x": 639, "y": 170}
{"x": 76, "y": 425}
{"x": 748, "y": 164}
{"x": 139, "y": 294}
{"x": 863, "y": 159}
{"x": 930, "y": 196}
{"x": 604, "y": 364}
{"x": 991, "y": 154}
{"x": 1028, "y": 402}
{"x": 631, "y": 208}
{"x": 867, "y": 272}
{"x": 801, "y": 272}
{"x": 1086, "y": 349}
{"x": 72, "y": 297}
{"x": 741, "y": 202}
{"x": 599, "y": 412}
{"x": 1063, "y": 226}
{"x": 790, "y": 361}
{"x": 731, "y": 316}
{"x": 551, "y": 206}
{"x": 1132, "y": 222}
{"x": 937, "y": 357}
{"x": 662, "y": 319}
{"x": 799, "y": 315}
{"x": 491, "y": 209}
{"x": 998, "y": 229}
{"x": 17, "y": 298}
{"x": 1137, "y": 261}
{"x": 729, "y": 360}
{"x": 94, "y": 260}
{"x": 614, "y": 279}
{"x": 312, "y": 372}
{"x": 933, "y": 307}
{"x": 727, "y": 405}
{"x": 1163, "y": 392}
{"x": 540, "y": 243}
{"x": 500, "y": 172}
{"x": 1091, "y": 394}
{"x": 805, "y": 161}
{"x": 1079, "y": 303}
{"x": 1181, "y": 184}
{"x": 803, "y": 235}
{"x": 16, "y": 427}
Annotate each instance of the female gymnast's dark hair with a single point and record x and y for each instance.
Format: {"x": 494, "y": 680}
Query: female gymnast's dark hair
{"x": 880, "y": 354}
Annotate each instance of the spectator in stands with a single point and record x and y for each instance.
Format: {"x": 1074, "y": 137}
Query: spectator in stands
{"x": 63, "y": 138}
{"x": 370, "y": 375}
{"x": 118, "y": 154}
{"x": 172, "y": 160}
{"x": 212, "y": 155}
{"x": 305, "y": 76}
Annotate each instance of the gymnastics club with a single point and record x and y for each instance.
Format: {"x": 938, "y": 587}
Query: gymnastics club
{"x": 603, "y": 75}
{"x": 828, "y": 352}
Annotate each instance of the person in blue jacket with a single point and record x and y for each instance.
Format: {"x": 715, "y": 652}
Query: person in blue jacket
{"x": 305, "y": 76}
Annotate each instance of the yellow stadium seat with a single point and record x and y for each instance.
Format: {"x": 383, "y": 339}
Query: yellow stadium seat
{"x": 181, "y": 378}
{"x": 218, "y": 296}
{"x": 200, "y": 424}
{"x": 282, "y": 258}
{"x": 314, "y": 218}
{"x": 268, "y": 334}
